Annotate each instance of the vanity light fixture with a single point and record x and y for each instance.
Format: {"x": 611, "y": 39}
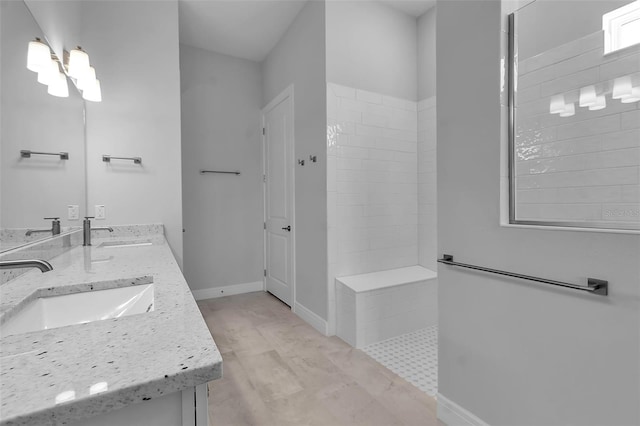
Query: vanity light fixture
{"x": 557, "y": 105}
{"x": 633, "y": 97}
{"x": 78, "y": 63}
{"x": 88, "y": 80}
{"x": 622, "y": 87}
{"x": 48, "y": 72}
{"x": 38, "y": 55}
{"x": 58, "y": 86}
{"x": 601, "y": 103}
{"x": 569, "y": 110}
{"x": 93, "y": 92}
{"x": 78, "y": 67}
{"x": 588, "y": 96}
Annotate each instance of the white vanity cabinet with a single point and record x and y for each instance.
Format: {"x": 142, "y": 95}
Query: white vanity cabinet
{"x": 186, "y": 408}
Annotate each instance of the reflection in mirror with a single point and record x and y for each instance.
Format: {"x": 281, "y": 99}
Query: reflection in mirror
{"x": 42, "y": 158}
{"x": 575, "y": 133}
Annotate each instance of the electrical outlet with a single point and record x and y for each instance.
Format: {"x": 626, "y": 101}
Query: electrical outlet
{"x": 100, "y": 212}
{"x": 73, "y": 211}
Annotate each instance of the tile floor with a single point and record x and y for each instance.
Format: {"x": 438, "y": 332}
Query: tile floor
{"x": 279, "y": 371}
{"x": 412, "y": 356}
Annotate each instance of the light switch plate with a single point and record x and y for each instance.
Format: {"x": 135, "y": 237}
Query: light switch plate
{"x": 100, "y": 212}
{"x": 73, "y": 212}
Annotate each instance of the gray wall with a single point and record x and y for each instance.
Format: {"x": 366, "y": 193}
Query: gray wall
{"x": 514, "y": 352}
{"x": 140, "y": 111}
{"x": 299, "y": 59}
{"x": 372, "y": 47}
{"x": 221, "y": 100}
{"x": 133, "y": 46}
{"x": 36, "y": 187}
{"x": 427, "y": 54}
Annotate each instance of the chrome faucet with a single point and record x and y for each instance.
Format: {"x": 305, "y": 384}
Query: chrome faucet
{"x": 43, "y": 265}
{"x": 55, "y": 227}
{"x": 86, "y": 230}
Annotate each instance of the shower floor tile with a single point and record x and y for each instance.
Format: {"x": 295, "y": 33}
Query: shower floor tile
{"x": 412, "y": 356}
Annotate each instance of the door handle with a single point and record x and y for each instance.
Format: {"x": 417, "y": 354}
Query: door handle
{"x": 288, "y": 228}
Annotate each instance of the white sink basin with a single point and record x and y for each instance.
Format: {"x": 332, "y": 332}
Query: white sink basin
{"x": 79, "y": 308}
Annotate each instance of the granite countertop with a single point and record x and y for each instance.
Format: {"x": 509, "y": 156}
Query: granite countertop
{"x": 64, "y": 374}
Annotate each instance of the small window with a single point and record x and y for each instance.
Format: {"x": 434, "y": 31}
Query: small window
{"x": 621, "y": 27}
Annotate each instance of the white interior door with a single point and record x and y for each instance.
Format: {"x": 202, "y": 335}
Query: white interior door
{"x": 277, "y": 118}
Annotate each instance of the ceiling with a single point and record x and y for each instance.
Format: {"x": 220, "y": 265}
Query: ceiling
{"x": 243, "y": 28}
{"x": 249, "y": 29}
{"x": 414, "y": 8}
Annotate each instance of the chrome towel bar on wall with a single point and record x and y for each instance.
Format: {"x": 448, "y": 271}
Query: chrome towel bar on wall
{"x": 202, "y": 172}
{"x": 25, "y": 153}
{"x": 108, "y": 158}
{"x": 595, "y": 286}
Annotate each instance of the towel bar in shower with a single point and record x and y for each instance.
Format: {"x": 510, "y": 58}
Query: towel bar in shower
{"x": 595, "y": 286}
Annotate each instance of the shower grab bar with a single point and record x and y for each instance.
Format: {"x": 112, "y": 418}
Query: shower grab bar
{"x": 108, "y": 158}
{"x": 219, "y": 171}
{"x": 594, "y": 286}
{"x": 25, "y": 153}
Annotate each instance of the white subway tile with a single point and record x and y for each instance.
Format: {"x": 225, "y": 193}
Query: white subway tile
{"x": 605, "y": 124}
{"x": 630, "y": 120}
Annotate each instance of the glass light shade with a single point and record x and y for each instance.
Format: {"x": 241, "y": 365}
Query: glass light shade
{"x": 601, "y": 103}
{"x": 557, "y": 104}
{"x": 93, "y": 93}
{"x": 588, "y": 96}
{"x": 569, "y": 110}
{"x": 78, "y": 63}
{"x": 634, "y": 96}
{"x": 48, "y": 73}
{"x": 38, "y": 55}
{"x": 622, "y": 87}
{"x": 88, "y": 80}
{"x": 58, "y": 86}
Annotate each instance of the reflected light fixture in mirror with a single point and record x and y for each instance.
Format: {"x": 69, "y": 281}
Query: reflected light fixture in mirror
{"x": 58, "y": 86}
{"x": 588, "y": 96}
{"x": 38, "y": 55}
{"x": 557, "y": 104}
{"x": 41, "y": 60}
{"x": 601, "y": 103}
{"x": 569, "y": 110}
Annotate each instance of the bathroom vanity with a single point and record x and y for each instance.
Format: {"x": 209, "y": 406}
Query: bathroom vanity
{"x": 143, "y": 355}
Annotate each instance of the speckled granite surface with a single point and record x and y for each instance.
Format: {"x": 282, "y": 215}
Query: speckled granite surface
{"x": 61, "y": 375}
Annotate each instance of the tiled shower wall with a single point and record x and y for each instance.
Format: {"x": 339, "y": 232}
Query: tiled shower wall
{"x": 585, "y": 167}
{"x": 372, "y": 181}
{"x": 381, "y": 182}
{"x": 427, "y": 195}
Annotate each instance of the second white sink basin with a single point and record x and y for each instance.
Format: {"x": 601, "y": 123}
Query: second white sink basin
{"x": 78, "y": 308}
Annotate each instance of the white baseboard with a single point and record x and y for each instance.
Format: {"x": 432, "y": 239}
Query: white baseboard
{"x": 452, "y": 414}
{"x": 311, "y": 318}
{"x": 227, "y": 290}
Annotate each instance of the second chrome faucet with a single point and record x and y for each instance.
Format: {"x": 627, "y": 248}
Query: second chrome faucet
{"x": 86, "y": 230}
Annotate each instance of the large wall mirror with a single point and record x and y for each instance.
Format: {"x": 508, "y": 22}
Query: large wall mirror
{"x": 575, "y": 114}
{"x": 43, "y": 183}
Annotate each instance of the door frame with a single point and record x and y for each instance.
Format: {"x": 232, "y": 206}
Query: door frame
{"x": 282, "y": 96}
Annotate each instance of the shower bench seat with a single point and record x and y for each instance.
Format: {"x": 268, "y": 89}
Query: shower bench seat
{"x": 380, "y": 305}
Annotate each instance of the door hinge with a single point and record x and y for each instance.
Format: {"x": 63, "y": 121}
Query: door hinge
{"x": 265, "y": 272}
